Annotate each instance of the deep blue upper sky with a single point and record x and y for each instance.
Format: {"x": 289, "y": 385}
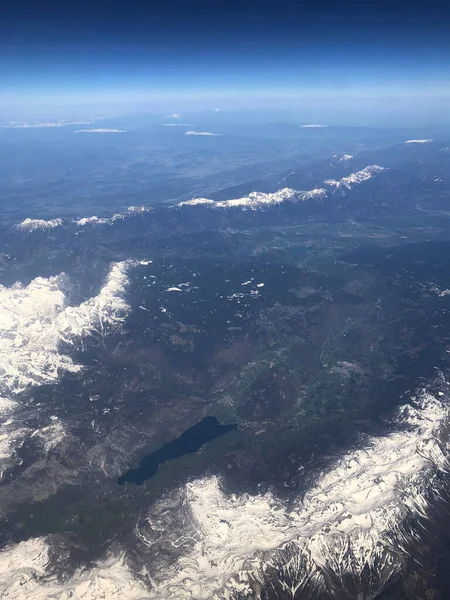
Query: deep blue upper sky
{"x": 200, "y": 49}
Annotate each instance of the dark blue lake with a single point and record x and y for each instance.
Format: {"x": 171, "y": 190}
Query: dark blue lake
{"x": 189, "y": 441}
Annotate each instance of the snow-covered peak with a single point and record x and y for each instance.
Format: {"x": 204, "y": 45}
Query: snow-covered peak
{"x": 33, "y": 224}
{"x": 92, "y": 221}
{"x": 130, "y": 212}
{"x": 255, "y": 199}
{"x": 347, "y": 522}
{"x": 41, "y": 224}
{"x": 196, "y": 201}
{"x": 35, "y": 319}
{"x": 354, "y": 178}
{"x": 37, "y": 325}
{"x": 24, "y": 575}
{"x": 136, "y": 210}
{"x": 259, "y": 199}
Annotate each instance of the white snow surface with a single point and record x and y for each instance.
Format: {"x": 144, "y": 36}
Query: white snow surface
{"x": 94, "y": 220}
{"x": 41, "y": 224}
{"x": 257, "y": 199}
{"x": 10, "y": 434}
{"x": 49, "y": 436}
{"x": 6, "y": 405}
{"x": 33, "y": 224}
{"x": 196, "y": 201}
{"x": 36, "y": 318}
{"x": 23, "y": 576}
{"x": 353, "y": 510}
{"x": 355, "y": 178}
{"x": 136, "y": 210}
{"x": 349, "y": 519}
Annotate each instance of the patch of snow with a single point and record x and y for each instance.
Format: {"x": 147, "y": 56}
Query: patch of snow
{"x": 50, "y": 435}
{"x": 6, "y": 405}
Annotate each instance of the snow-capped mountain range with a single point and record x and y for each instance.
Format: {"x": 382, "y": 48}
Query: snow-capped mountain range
{"x": 257, "y": 200}
{"x": 352, "y": 520}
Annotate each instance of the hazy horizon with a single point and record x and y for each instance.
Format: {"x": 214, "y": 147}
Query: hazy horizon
{"x": 390, "y": 60}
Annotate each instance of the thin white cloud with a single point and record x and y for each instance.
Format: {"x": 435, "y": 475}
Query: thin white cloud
{"x": 101, "y": 131}
{"x": 174, "y": 116}
{"x": 25, "y": 125}
{"x": 208, "y": 133}
{"x": 313, "y": 126}
{"x": 425, "y": 141}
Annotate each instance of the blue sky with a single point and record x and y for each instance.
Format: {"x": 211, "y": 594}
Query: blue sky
{"x": 156, "y": 52}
